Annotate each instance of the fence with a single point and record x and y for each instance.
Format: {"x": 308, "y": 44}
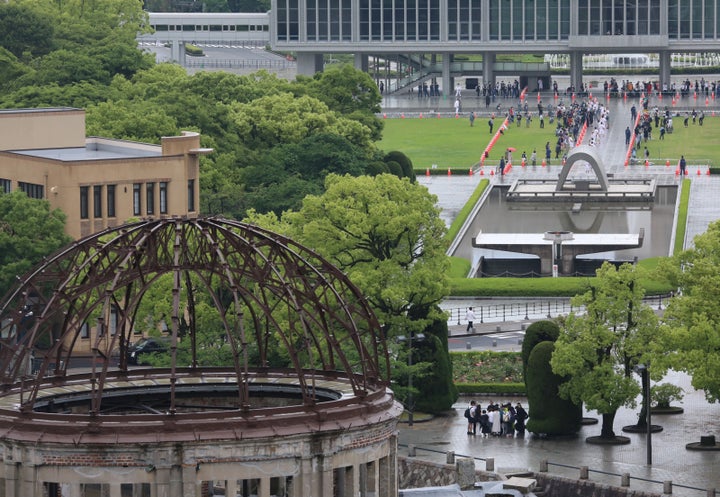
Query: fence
{"x": 529, "y": 310}
{"x": 583, "y": 472}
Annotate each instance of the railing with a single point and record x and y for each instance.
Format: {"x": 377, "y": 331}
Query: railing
{"x": 583, "y": 471}
{"x": 529, "y": 310}
{"x": 240, "y": 63}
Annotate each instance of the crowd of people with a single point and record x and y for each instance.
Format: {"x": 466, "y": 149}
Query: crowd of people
{"x": 496, "y": 420}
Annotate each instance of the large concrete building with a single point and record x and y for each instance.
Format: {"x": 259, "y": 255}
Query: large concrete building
{"x": 97, "y": 182}
{"x": 442, "y": 29}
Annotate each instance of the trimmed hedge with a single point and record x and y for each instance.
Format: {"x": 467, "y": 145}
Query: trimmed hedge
{"x": 681, "y": 227}
{"x": 464, "y": 213}
{"x": 494, "y": 388}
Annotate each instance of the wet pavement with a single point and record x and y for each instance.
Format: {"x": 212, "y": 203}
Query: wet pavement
{"x": 671, "y": 461}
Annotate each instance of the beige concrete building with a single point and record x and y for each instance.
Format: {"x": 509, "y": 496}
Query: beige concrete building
{"x": 97, "y": 182}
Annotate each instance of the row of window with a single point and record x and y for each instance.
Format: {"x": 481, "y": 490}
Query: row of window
{"x": 693, "y": 19}
{"x": 419, "y": 20}
{"x": 32, "y": 190}
{"x": 619, "y": 17}
{"x": 210, "y": 27}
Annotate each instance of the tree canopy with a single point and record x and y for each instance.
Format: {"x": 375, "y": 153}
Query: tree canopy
{"x": 29, "y": 231}
{"x": 598, "y": 348}
{"x": 691, "y": 317}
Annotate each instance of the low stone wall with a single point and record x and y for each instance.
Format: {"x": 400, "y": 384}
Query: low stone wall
{"x": 559, "y": 486}
{"x": 416, "y": 473}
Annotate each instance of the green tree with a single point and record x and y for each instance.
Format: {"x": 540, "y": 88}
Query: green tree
{"x": 691, "y": 318}
{"x": 387, "y": 235}
{"x": 29, "y": 231}
{"x": 24, "y": 31}
{"x": 284, "y": 118}
{"x": 597, "y": 350}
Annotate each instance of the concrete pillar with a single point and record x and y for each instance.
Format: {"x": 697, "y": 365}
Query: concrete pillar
{"x": 490, "y": 464}
{"x": 28, "y": 479}
{"x": 162, "y": 482}
{"x": 11, "y": 471}
{"x": 177, "y": 52}
{"x": 176, "y": 482}
{"x": 450, "y": 457}
{"x": 231, "y": 487}
{"x": 667, "y": 487}
{"x": 361, "y": 62}
{"x": 488, "y": 68}
{"x": 191, "y": 482}
{"x": 115, "y": 489}
{"x": 543, "y": 466}
{"x": 665, "y": 68}
{"x": 576, "y": 76}
{"x": 584, "y": 473}
{"x": 309, "y": 63}
{"x": 625, "y": 480}
{"x": 447, "y": 87}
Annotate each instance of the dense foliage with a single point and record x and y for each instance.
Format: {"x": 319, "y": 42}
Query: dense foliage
{"x": 539, "y": 331}
{"x": 550, "y": 414}
{"x": 487, "y": 367}
{"x": 29, "y": 231}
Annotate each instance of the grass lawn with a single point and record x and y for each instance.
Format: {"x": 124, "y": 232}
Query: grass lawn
{"x": 450, "y": 142}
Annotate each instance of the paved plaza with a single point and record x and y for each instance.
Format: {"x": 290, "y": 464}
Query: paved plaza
{"x": 671, "y": 460}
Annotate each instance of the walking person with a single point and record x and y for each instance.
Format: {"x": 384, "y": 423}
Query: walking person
{"x": 683, "y": 164}
{"x": 470, "y": 317}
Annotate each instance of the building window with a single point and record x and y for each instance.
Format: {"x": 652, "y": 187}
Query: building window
{"x": 5, "y": 185}
{"x": 150, "y": 198}
{"x": 84, "y": 192}
{"x": 97, "y": 201}
{"x": 137, "y": 201}
{"x": 111, "y": 200}
{"x": 85, "y": 331}
{"x": 113, "y": 320}
{"x": 32, "y": 190}
{"x": 163, "y": 197}
{"x": 191, "y": 195}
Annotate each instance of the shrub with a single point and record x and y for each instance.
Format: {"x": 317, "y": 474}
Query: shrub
{"x": 492, "y": 388}
{"x": 539, "y": 331}
{"x": 549, "y": 414}
{"x": 665, "y": 393}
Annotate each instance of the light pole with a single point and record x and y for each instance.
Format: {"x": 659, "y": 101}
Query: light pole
{"x": 410, "y": 401}
{"x": 645, "y": 378}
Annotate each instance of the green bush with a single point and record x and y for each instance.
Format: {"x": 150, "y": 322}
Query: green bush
{"x": 459, "y": 267}
{"x": 193, "y": 50}
{"x": 437, "y": 391}
{"x": 486, "y": 366}
{"x": 538, "y": 287}
{"x": 682, "y": 217}
{"x": 464, "y": 213}
{"x": 492, "y": 388}
{"x": 539, "y": 331}
{"x": 549, "y": 414}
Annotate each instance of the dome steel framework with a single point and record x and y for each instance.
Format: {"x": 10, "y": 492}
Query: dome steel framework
{"x": 270, "y": 293}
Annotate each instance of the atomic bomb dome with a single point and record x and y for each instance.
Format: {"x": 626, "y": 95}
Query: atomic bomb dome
{"x": 302, "y": 407}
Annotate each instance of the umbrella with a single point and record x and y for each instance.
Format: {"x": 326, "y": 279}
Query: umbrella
{"x": 511, "y": 149}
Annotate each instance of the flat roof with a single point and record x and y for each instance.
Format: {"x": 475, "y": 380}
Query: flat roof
{"x": 38, "y": 110}
{"x": 95, "y": 150}
{"x": 579, "y": 239}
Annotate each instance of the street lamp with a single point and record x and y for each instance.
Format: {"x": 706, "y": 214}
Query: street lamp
{"x": 410, "y": 402}
{"x": 642, "y": 369}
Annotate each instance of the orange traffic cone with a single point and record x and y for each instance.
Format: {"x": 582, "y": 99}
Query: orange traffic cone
{"x": 708, "y": 171}
{"x": 698, "y": 172}
{"x": 449, "y": 172}
{"x": 470, "y": 172}
{"x": 402, "y": 115}
{"x": 427, "y": 171}
{"x": 544, "y": 163}
{"x": 421, "y": 115}
{"x": 667, "y": 163}
{"x": 384, "y": 116}
{"x": 492, "y": 172}
{"x": 438, "y": 115}
{"x": 647, "y": 163}
{"x": 482, "y": 173}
